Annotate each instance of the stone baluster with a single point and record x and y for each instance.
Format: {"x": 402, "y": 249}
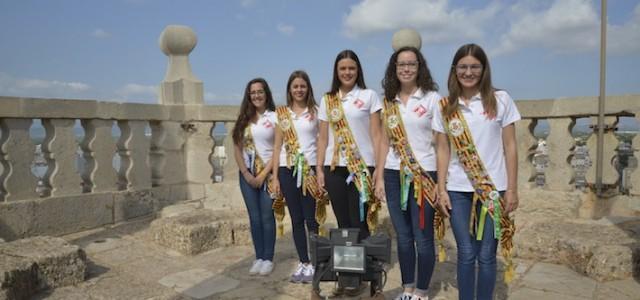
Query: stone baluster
{"x": 635, "y": 175}
{"x": 98, "y": 148}
{"x": 174, "y": 159}
{"x": 230, "y": 168}
{"x": 16, "y": 155}
{"x": 133, "y": 148}
{"x": 157, "y": 153}
{"x": 559, "y": 143}
{"x": 526, "y": 142}
{"x": 198, "y": 152}
{"x": 609, "y": 173}
{"x": 59, "y": 150}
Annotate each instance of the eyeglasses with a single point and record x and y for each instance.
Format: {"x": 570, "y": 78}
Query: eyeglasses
{"x": 411, "y": 65}
{"x": 255, "y": 93}
{"x": 475, "y": 68}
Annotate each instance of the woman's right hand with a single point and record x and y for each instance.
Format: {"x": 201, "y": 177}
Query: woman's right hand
{"x": 379, "y": 190}
{"x": 275, "y": 185}
{"x": 445, "y": 203}
{"x": 248, "y": 177}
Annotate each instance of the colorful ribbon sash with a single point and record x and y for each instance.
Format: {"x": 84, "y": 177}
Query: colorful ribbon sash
{"x": 345, "y": 144}
{"x": 256, "y": 167}
{"x": 410, "y": 171}
{"x": 485, "y": 191}
{"x": 305, "y": 177}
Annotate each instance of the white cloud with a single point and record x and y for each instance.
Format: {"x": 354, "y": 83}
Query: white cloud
{"x": 286, "y": 29}
{"x": 567, "y": 26}
{"x": 100, "y": 33}
{"x": 137, "y": 90}
{"x": 625, "y": 39}
{"x": 436, "y": 20}
{"x": 31, "y": 87}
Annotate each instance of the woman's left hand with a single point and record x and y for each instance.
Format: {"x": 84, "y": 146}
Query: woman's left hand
{"x": 511, "y": 200}
{"x": 259, "y": 180}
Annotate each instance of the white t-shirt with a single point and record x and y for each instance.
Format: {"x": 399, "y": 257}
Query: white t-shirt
{"x": 416, "y": 117}
{"x": 263, "y": 133}
{"x": 487, "y": 136}
{"x": 358, "y": 105}
{"x": 306, "y": 126}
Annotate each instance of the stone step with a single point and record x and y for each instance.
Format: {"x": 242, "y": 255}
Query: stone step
{"x": 200, "y": 230}
{"x": 601, "y": 250}
{"x": 39, "y": 263}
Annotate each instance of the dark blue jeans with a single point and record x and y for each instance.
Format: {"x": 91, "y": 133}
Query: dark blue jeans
{"x": 302, "y": 210}
{"x": 409, "y": 235}
{"x": 471, "y": 250}
{"x": 261, "y": 219}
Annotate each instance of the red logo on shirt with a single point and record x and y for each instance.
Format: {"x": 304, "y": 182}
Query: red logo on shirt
{"x": 267, "y": 124}
{"x": 358, "y": 103}
{"x": 309, "y": 117}
{"x": 420, "y": 111}
{"x": 486, "y": 115}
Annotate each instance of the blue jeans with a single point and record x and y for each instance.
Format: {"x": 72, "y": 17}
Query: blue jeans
{"x": 261, "y": 219}
{"x": 471, "y": 250}
{"x": 302, "y": 210}
{"x": 409, "y": 235}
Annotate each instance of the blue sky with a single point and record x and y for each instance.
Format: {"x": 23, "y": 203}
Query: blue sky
{"x": 108, "y": 50}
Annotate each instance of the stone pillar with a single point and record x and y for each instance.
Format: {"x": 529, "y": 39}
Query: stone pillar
{"x": 199, "y": 149}
{"x": 635, "y": 176}
{"x": 230, "y": 168}
{"x": 98, "y": 149}
{"x": 133, "y": 148}
{"x": 59, "y": 150}
{"x": 526, "y": 142}
{"x": 179, "y": 86}
{"x": 609, "y": 173}
{"x": 559, "y": 142}
{"x": 16, "y": 155}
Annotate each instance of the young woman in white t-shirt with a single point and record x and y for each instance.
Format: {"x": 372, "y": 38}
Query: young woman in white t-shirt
{"x": 361, "y": 108}
{"x": 409, "y": 85}
{"x": 490, "y": 115}
{"x": 257, "y": 115}
{"x": 301, "y": 106}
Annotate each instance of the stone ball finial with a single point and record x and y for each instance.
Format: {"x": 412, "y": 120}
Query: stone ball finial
{"x": 406, "y": 37}
{"x": 177, "y": 40}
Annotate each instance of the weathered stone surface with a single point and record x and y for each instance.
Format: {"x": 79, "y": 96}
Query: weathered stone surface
{"x": 587, "y": 247}
{"x": 613, "y": 262}
{"x": 198, "y": 231}
{"x": 39, "y": 263}
{"x": 564, "y": 282}
{"x": 198, "y": 283}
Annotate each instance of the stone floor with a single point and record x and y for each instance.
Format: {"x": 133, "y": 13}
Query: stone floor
{"x": 123, "y": 264}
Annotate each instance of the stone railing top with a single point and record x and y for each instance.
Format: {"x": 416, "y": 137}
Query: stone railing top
{"x": 578, "y": 107}
{"x": 19, "y": 107}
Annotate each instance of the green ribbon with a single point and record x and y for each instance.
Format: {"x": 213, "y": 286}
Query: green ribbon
{"x": 298, "y": 166}
{"x": 406, "y": 177}
{"x": 480, "y": 228}
{"x": 497, "y": 215}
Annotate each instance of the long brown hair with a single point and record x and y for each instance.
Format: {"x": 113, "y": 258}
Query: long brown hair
{"x": 390, "y": 82}
{"x": 248, "y": 110}
{"x": 335, "y": 84}
{"x": 310, "y": 101}
{"x": 487, "y": 91}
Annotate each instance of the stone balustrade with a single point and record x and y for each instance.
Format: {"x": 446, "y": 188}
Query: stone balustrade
{"x": 561, "y": 115}
{"x": 166, "y": 152}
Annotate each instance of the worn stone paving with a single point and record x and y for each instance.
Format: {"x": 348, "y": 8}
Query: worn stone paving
{"x": 124, "y": 264}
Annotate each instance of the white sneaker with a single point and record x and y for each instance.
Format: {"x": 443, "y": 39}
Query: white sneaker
{"x": 255, "y": 268}
{"x": 266, "y": 267}
{"x": 307, "y": 273}
{"x": 296, "y": 277}
{"x": 404, "y": 296}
